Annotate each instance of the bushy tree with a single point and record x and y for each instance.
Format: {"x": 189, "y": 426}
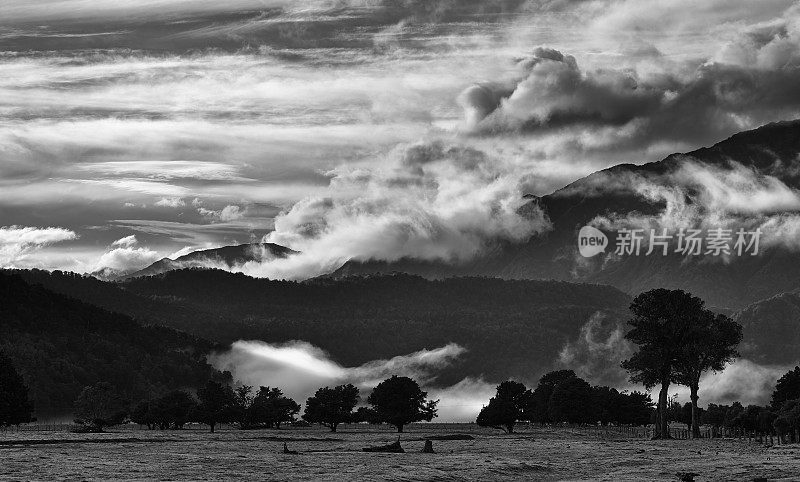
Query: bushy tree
{"x": 143, "y": 414}
{"x": 661, "y": 327}
{"x": 571, "y": 402}
{"x": 399, "y": 401}
{"x": 787, "y": 388}
{"x": 241, "y": 409}
{"x": 710, "y": 345}
{"x": 365, "y": 414}
{"x": 787, "y": 419}
{"x": 216, "y": 404}
{"x": 99, "y": 406}
{"x": 506, "y": 407}
{"x": 537, "y": 410}
{"x": 15, "y": 407}
{"x": 332, "y": 406}
{"x": 174, "y": 409}
{"x": 634, "y": 408}
{"x": 270, "y": 408}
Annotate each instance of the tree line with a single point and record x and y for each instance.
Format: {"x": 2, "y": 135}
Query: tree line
{"x": 678, "y": 340}
{"x": 396, "y": 401}
{"x": 563, "y": 397}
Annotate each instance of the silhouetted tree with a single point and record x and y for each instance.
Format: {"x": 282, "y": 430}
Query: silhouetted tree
{"x": 634, "y": 408}
{"x": 661, "y": 328}
{"x": 399, "y": 401}
{"x": 787, "y": 420}
{"x": 537, "y": 410}
{"x": 144, "y": 415}
{"x": 99, "y": 406}
{"x": 714, "y": 415}
{"x": 787, "y": 388}
{"x": 571, "y": 402}
{"x": 506, "y": 407}
{"x": 710, "y": 345}
{"x": 271, "y": 408}
{"x": 173, "y": 409}
{"x": 216, "y": 404}
{"x": 15, "y": 407}
{"x": 732, "y": 413}
{"x": 365, "y": 414}
{"x": 332, "y": 406}
{"x": 241, "y": 410}
{"x": 606, "y": 403}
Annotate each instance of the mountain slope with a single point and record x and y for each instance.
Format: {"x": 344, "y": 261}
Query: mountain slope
{"x": 770, "y": 150}
{"x": 512, "y": 328}
{"x": 61, "y": 344}
{"x": 772, "y": 329}
{"x": 225, "y": 257}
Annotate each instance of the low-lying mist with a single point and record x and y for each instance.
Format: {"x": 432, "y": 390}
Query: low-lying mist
{"x": 299, "y": 369}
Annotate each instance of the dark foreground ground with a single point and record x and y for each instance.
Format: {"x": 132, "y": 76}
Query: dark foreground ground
{"x": 532, "y": 454}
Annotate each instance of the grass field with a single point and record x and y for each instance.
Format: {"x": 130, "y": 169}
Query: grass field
{"x": 482, "y": 454}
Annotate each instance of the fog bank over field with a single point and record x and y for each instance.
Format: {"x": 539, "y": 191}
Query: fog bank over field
{"x": 299, "y": 369}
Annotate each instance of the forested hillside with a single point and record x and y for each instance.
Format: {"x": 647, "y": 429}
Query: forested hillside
{"x": 511, "y": 328}
{"x": 61, "y": 345}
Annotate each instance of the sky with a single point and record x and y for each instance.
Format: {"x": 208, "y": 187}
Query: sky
{"x": 353, "y": 129}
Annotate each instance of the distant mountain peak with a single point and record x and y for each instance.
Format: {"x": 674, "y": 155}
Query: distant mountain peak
{"x": 225, "y": 257}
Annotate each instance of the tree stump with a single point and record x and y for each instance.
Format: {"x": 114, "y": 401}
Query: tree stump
{"x": 428, "y": 449}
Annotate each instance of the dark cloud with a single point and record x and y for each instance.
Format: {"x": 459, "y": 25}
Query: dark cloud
{"x": 553, "y": 92}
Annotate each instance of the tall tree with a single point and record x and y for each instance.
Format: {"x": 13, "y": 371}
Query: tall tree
{"x": 711, "y": 344}
{"x": 506, "y": 407}
{"x": 216, "y": 404}
{"x": 99, "y": 406}
{"x": 661, "y": 327}
{"x": 787, "y": 388}
{"x": 15, "y": 407}
{"x": 332, "y": 406}
{"x": 399, "y": 401}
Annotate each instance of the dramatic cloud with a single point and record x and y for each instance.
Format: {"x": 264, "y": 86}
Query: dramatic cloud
{"x": 427, "y": 201}
{"x": 299, "y": 368}
{"x": 695, "y": 195}
{"x": 552, "y": 92}
{"x": 273, "y": 106}
{"x": 17, "y": 243}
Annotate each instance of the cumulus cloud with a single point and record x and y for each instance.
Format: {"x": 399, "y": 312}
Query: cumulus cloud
{"x": 553, "y": 92}
{"x": 426, "y": 201}
{"x": 170, "y": 202}
{"x": 299, "y": 368}
{"x": 18, "y": 242}
{"x": 126, "y": 257}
